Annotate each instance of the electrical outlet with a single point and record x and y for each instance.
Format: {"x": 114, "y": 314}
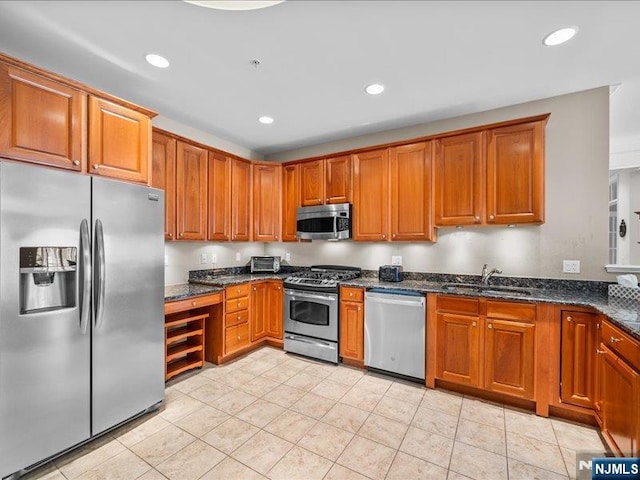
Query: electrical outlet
{"x": 166, "y": 260}
{"x": 396, "y": 260}
{"x": 203, "y": 258}
{"x": 238, "y": 257}
{"x": 571, "y": 266}
{"x": 214, "y": 258}
{"x": 287, "y": 257}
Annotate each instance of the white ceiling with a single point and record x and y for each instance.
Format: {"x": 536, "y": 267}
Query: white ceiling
{"x": 437, "y": 60}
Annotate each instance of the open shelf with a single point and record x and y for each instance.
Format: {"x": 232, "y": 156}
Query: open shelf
{"x": 183, "y": 318}
{"x": 177, "y": 350}
{"x": 176, "y": 367}
{"x": 184, "y": 332}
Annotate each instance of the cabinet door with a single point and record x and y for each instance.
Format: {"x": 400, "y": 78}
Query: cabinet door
{"x": 509, "y": 365}
{"x": 458, "y": 179}
{"x": 219, "y": 195}
{"x": 119, "y": 141}
{"x": 411, "y": 217}
{"x": 578, "y": 358}
{"x": 371, "y": 195}
{"x": 338, "y": 179}
{"x": 266, "y": 202}
{"x": 515, "y": 174}
{"x": 352, "y": 330}
{"x": 41, "y": 121}
{"x": 290, "y": 201}
{"x": 312, "y": 183}
{"x": 163, "y": 176}
{"x": 259, "y": 310}
{"x": 240, "y": 200}
{"x": 620, "y": 397}
{"x": 458, "y": 354}
{"x": 191, "y": 192}
{"x": 275, "y": 312}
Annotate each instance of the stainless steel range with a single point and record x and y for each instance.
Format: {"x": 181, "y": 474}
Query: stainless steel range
{"x": 311, "y": 310}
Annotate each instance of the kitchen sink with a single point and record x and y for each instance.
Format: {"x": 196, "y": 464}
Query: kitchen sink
{"x": 479, "y": 288}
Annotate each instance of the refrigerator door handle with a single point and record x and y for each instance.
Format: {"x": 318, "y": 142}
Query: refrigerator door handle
{"x": 85, "y": 268}
{"x": 100, "y": 274}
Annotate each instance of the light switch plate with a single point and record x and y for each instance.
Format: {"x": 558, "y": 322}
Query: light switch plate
{"x": 287, "y": 257}
{"x": 214, "y": 258}
{"x": 238, "y": 257}
{"x": 166, "y": 260}
{"x": 203, "y": 258}
{"x": 396, "y": 260}
{"x": 571, "y": 266}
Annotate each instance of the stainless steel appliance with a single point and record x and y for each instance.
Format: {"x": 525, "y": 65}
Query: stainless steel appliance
{"x": 81, "y": 309}
{"x": 265, "y": 264}
{"x": 390, "y": 273}
{"x": 311, "y": 311}
{"x": 324, "y": 222}
{"x": 394, "y": 331}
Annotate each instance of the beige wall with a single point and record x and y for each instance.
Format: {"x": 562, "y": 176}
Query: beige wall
{"x": 577, "y": 149}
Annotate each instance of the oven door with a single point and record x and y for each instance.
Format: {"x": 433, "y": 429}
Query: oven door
{"x": 314, "y": 314}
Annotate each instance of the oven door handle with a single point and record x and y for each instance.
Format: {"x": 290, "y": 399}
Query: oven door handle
{"x": 310, "y": 342}
{"x": 335, "y": 227}
{"x": 293, "y": 294}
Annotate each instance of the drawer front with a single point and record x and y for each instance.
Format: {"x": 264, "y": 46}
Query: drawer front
{"x": 352, "y": 294}
{"x": 236, "y": 337}
{"x": 191, "y": 303}
{"x": 458, "y": 305}
{"x": 512, "y": 311}
{"x": 236, "y": 304}
{"x": 621, "y": 343}
{"x": 236, "y": 291}
{"x": 236, "y": 318}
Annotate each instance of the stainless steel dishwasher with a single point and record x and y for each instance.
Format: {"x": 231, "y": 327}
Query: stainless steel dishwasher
{"x": 394, "y": 331}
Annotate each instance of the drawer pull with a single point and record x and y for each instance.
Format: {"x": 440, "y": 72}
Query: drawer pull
{"x": 76, "y": 162}
{"x": 569, "y": 319}
{"x": 599, "y": 352}
{"x": 473, "y": 324}
{"x": 193, "y": 303}
{"x": 490, "y": 325}
{"x": 238, "y": 317}
{"x": 615, "y": 340}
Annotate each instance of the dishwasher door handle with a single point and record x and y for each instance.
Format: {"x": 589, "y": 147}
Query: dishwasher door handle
{"x": 388, "y": 301}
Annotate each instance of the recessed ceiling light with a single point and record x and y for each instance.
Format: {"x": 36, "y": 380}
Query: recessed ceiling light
{"x": 266, "y": 120}
{"x": 560, "y": 36}
{"x": 157, "y": 60}
{"x": 374, "y": 89}
{"x": 235, "y": 4}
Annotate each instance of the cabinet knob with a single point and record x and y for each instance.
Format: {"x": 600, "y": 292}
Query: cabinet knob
{"x": 351, "y": 294}
{"x": 473, "y": 324}
{"x": 615, "y": 340}
{"x": 193, "y": 303}
{"x": 490, "y": 325}
{"x": 394, "y": 235}
{"x": 599, "y": 352}
{"x": 476, "y": 218}
{"x": 491, "y": 217}
{"x": 359, "y": 308}
{"x": 279, "y": 288}
{"x": 569, "y": 319}
{"x": 96, "y": 166}
{"x": 170, "y": 235}
{"x": 254, "y": 289}
{"x": 598, "y": 325}
{"x": 76, "y": 162}
{"x": 276, "y": 237}
{"x": 180, "y": 235}
{"x": 238, "y": 337}
{"x": 384, "y": 236}
{"x": 238, "y": 317}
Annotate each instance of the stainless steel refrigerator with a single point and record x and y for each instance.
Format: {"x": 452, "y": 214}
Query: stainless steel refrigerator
{"x": 81, "y": 309}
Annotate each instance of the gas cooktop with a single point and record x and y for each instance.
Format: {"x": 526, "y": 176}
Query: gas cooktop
{"x": 321, "y": 277}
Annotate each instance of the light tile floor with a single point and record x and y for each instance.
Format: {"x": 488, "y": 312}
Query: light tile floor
{"x": 279, "y": 416}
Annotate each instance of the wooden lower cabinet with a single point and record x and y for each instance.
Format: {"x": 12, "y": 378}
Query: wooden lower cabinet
{"x": 577, "y": 357}
{"x": 352, "y": 324}
{"x": 486, "y": 344}
{"x": 259, "y": 310}
{"x": 237, "y": 309}
{"x": 275, "y": 320}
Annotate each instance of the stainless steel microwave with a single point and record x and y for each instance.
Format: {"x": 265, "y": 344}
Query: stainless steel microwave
{"x": 324, "y": 222}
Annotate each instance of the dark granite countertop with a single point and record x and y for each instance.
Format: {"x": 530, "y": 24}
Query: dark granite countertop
{"x": 188, "y": 290}
{"x": 622, "y": 312}
{"x": 224, "y": 280}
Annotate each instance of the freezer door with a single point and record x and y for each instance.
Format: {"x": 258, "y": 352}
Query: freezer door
{"x": 45, "y": 351}
{"x": 128, "y": 301}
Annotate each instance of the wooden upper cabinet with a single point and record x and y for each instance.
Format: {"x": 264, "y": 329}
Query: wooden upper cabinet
{"x": 411, "y": 208}
{"x": 191, "y": 192}
{"x": 312, "y": 183}
{"x": 578, "y": 352}
{"x": 458, "y": 180}
{"x": 163, "y": 176}
{"x": 371, "y": 195}
{"x": 515, "y": 174}
{"x": 266, "y": 202}
{"x": 240, "y": 200}
{"x": 290, "y": 201}
{"x": 41, "y": 121}
{"x": 338, "y": 179}
{"x": 219, "y": 195}
{"x": 119, "y": 141}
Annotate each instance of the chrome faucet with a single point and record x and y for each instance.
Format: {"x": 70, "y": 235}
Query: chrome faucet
{"x": 487, "y": 274}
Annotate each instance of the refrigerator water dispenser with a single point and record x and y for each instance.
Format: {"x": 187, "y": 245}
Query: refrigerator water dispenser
{"x": 48, "y": 278}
